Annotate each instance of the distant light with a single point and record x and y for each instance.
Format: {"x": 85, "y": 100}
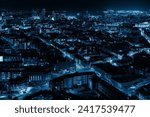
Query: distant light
{"x": 53, "y": 19}
{"x": 1, "y": 58}
{"x": 71, "y": 17}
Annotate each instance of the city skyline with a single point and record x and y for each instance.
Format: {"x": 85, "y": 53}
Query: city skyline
{"x": 54, "y": 55}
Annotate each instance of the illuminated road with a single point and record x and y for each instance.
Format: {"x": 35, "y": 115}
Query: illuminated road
{"x": 144, "y": 35}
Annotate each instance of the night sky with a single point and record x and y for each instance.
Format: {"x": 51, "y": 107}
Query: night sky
{"x": 76, "y": 4}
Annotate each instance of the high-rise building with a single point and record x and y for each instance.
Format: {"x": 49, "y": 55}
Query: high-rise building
{"x": 43, "y": 14}
{"x": 35, "y": 15}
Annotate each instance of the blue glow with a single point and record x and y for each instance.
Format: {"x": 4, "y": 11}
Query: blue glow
{"x": 55, "y": 55}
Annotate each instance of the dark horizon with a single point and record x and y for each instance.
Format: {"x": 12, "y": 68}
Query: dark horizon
{"x": 76, "y": 4}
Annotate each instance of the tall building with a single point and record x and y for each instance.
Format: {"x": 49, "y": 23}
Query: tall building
{"x": 43, "y": 14}
{"x": 35, "y": 15}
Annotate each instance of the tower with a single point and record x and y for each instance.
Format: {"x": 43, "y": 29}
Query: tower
{"x": 43, "y": 14}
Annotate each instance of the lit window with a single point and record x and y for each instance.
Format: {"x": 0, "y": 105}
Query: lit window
{"x": 1, "y": 58}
